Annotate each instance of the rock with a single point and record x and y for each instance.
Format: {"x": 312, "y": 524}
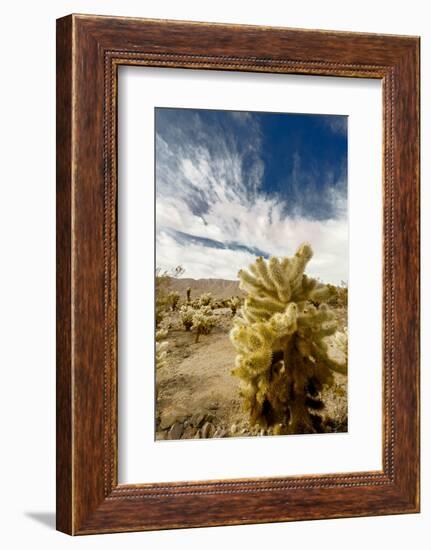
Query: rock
{"x": 197, "y": 420}
{"x": 207, "y": 430}
{"x": 176, "y": 431}
{"x": 169, "y": 417}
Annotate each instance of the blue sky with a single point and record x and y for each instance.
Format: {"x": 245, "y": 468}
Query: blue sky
{"x": 233, "y": 185}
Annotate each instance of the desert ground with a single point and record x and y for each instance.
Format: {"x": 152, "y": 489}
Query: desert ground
{"x": 196, "y": 394}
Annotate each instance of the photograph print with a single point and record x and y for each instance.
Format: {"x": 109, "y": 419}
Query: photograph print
{"x": 251, "y": 281}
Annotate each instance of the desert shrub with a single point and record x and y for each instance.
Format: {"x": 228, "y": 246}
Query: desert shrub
{"x": 283, "y": 358}
{"x": 203, "y": 321}
{"x": 186, "y": 316}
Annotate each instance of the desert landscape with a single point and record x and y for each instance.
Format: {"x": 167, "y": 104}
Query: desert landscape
{"x": 197, "y": 394}
{"x": 251, "y": 251}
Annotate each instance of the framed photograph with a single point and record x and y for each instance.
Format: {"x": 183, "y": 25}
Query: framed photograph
{"x": 237, "y": 274}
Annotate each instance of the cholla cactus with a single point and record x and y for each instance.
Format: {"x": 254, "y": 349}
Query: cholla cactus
{"x": 283, "y": 356}
{"x": 338, "y": 297}
{"x": 161, "y": 348}
{"x": 203, "y": 321}
{"x": 161, "y": 334}
{"x": 174, "y": 298}
{"x": 205, "y": 299}
{"x": 186, "y": 316}
{"x": 340, "y": 341}
{"x": 234, "y": 304}
{"x": 189, "y": 292}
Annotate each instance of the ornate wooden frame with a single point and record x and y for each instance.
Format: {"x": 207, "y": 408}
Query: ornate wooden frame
{"x": 89, "y": 51}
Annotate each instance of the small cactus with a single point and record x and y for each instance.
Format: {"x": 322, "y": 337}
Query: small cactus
{"x": 174, "y": 298}
{"x": 203, "y": 321}
{"x": 234, "y": 304}
{"x": 205, "y": 299}
{"x": 186, "y": 316}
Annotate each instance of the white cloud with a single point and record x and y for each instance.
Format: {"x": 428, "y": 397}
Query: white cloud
{"x": 200, "y": 262}
{"x": 211, "y": 195}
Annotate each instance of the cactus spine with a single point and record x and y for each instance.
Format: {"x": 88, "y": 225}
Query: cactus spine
{"x": 283, "y": 355}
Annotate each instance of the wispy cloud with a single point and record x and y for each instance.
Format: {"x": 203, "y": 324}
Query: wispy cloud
{"x": 316, "y": 193}
{"x": 213, "y": 213}
{"x": 337, "y": 123}
{"x": 241, "y": 116}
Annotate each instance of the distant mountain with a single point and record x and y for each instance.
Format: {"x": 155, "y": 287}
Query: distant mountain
{"x": 219, "y": 288}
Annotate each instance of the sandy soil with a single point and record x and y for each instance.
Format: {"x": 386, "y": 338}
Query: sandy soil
{"x": 197, "y": 396}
